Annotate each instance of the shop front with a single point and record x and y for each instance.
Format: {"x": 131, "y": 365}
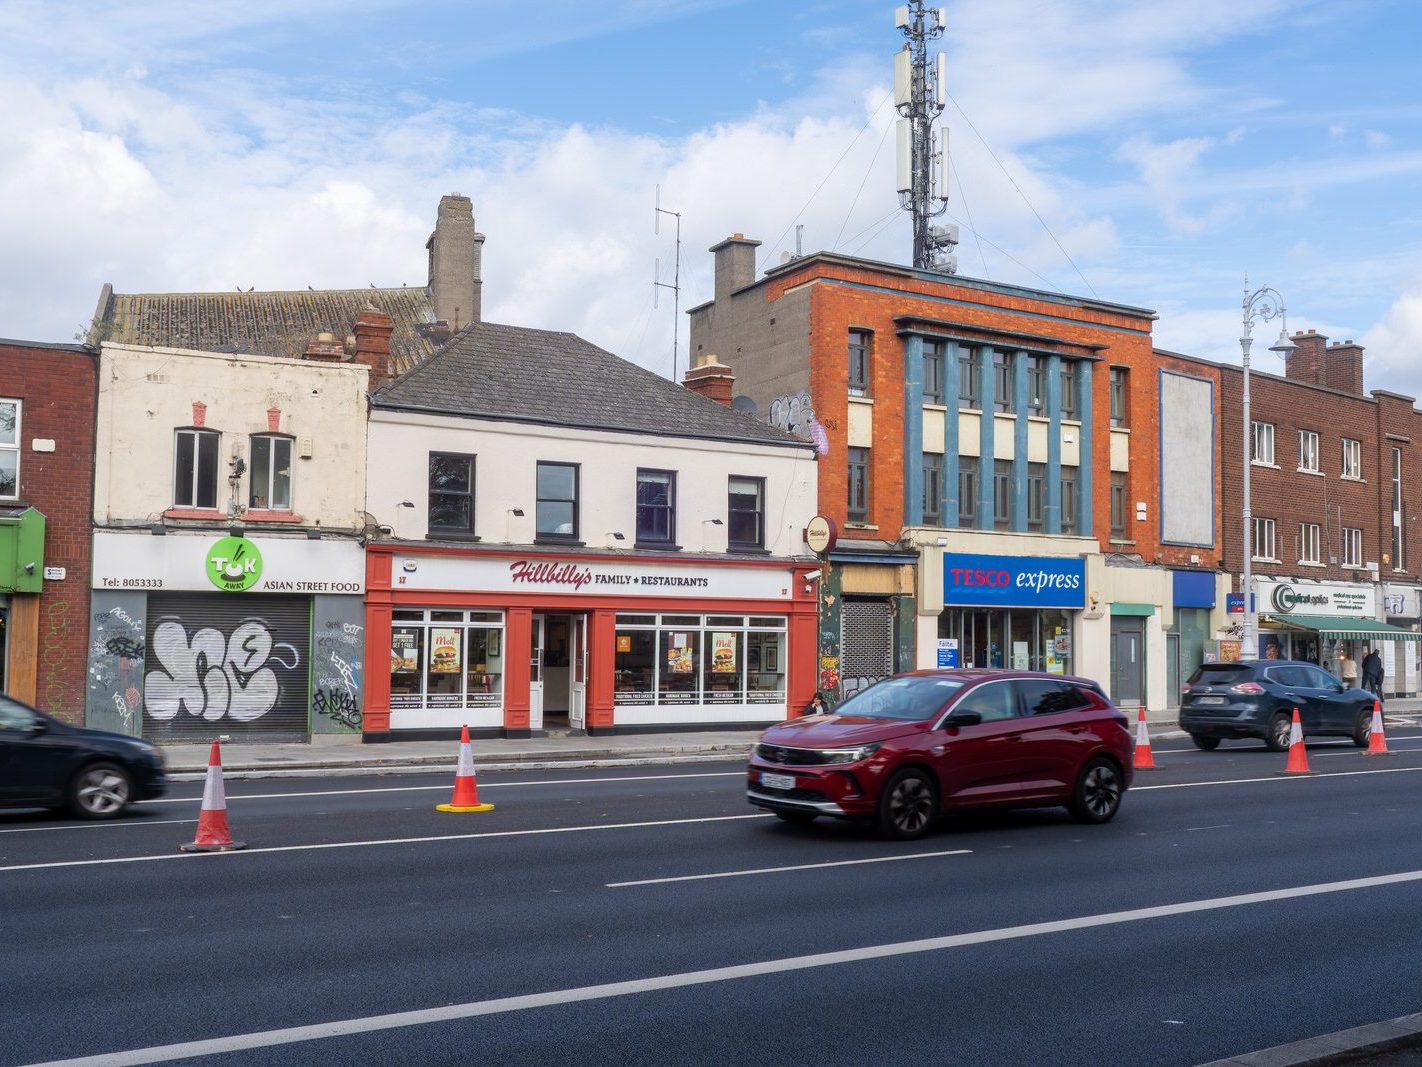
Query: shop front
{"x": 199, "y": 633}
{"x": 1402, "y": 661}
{"x": 1326, "y": 623}
{"x": 517, "y": 644}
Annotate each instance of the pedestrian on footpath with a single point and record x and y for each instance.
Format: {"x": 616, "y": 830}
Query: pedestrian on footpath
{"x": 1348, "y": 670}
{"x": 816, "y": 706}
{"x": 1372, "y": 672}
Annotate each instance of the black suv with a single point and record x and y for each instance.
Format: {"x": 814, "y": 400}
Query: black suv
{"x": 1257, "y": 698}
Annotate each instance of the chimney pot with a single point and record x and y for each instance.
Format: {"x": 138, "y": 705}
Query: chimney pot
{"x": 712, "y": 379}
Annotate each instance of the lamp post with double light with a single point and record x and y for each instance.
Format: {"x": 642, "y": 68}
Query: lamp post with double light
{"x": 1261, "y": 305}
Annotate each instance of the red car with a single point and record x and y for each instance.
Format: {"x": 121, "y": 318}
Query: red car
{"x": 917, "y": 745}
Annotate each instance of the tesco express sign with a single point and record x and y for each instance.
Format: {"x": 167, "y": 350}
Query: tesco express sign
{"x": 1013, "y": 581}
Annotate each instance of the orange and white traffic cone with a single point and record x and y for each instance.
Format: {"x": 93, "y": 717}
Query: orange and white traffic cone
{"x": 212, "y": 832}
{"x": 1298, "y": 758}
{"x": 1377, "y": 741}
{"x": 466, "y": 789}
{"x": 1144, "y": 759}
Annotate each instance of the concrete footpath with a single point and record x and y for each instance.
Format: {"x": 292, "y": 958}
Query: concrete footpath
{"x": 332, "y": 754}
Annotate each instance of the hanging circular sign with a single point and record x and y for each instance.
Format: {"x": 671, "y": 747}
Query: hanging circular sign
{"x": 234, "y": 564}
{"x": 821, "y": 533}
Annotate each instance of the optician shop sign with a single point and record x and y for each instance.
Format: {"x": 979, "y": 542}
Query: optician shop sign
{"x": 1013, "y": 581}
{"x": 1316, "y": 598}
{"x": 504, "y": 574}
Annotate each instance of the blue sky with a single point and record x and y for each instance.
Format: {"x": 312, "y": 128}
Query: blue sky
{"x": 167, "y": 145}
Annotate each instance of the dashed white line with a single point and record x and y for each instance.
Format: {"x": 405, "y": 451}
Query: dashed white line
{"x": 796, "y": 867}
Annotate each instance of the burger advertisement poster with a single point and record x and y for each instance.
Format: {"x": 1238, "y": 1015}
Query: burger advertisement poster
{"x": 444, "y": 651}
{"x": 404, "y": 652}
{"x": 723, "y": 653}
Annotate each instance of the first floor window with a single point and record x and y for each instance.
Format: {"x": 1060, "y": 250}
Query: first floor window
{"x": 1036, "y": 385}
{"x": 1264, "y": 546}
{"x": 1003, "y": 399}
{"x": 9, "y": 449}
{"x": 1352, "y": 546}
{"x": 1002, "y": 494}
{"x": 858, "y": 363}
{"x": 1036, "y": 495}
{"x": 270, "y": 476}
{"x": 1118, "y": 505}
{"x": 1117, "y": 396}
{"x": 1308, "y": 542}
{"x": 933, "y": 372}
{"x": 195, "y": 469}
{"x": 1068, "y": 500}
{"x": 932, "y": 489}
{"x": 968, "y": 492}
{"x": 443, "y": 659}
{"x": 858, "y": 484}
{"x": 970, "y": 368}
{"x": 1068, "y": 380}
{"x": 557, "y": 513}
{"x": 1308, "y": 450}
{"x": 1352, "y": 458}
{"x": 746, "y": 513}
{"x": 656, "y": 507}
{"x": 1262, "y": 446}
{"x": 679, "y": 660}
{"x": 451, "y": 493}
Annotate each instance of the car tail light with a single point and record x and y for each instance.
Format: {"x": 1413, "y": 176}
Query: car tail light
{"x": 1251, "y": 688}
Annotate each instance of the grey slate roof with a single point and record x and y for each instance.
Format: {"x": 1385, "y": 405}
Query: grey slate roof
{"x": 265, "y": 324}
{"x": 516, "y": 374}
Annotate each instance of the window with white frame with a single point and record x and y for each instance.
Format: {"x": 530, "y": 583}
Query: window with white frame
{"x": 1264, "y": 546}
{"x": 1352, "y": 458}
{"x": 679, "y": 660}
{"x": 195, "y": 469}
{"x": 1308, "y": 542}
{"x": 1308, "y": 451}
{"x": 9, "y": 449}
{"x": 270, "y": 475}
{"x": 446, "y": 659}
{"x": 1352, "y": 546}
{"x": 1262, "y": 448}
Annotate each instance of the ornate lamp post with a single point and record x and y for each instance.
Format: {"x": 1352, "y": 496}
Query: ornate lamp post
{"x": 1262, "y": 305}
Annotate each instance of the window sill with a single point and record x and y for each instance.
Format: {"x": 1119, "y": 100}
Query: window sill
{"x": 1310, "y": 563}
{"x": 436, "y": 534}
{"x": 1261, "y": 463}
{"x": 565, "y": 542}
{"x": 1043, "y": 419}
{"x": 263, "y": 515}
{"x": 208, "y": 514}
{"x": 1120, "y": 541}
{"x": 656, "y": 546}
{"x": 1350, "y": 478}
{"x": 1121, "y": 428}
{"x": 861, "y": 526}
{"x": 1071, "y": 420}
{"x": 756, "y": 550}
{"x": 1310, "y": 470}
{"x": 934, "y": 405}
{"x": 866, "y": 399}
{"x": 1266, "y": 559}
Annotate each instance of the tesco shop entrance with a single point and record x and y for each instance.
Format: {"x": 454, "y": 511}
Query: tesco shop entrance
{"x": 514, "y": 644}
{"x": 1011, "y": 612}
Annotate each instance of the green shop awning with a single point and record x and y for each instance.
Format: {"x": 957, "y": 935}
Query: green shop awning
{"x": 1339, "y": 626}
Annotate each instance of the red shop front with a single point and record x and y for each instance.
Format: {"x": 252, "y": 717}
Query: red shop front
{"x": 515, "y": 643}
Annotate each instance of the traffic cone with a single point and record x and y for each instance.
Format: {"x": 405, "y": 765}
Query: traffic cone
{"x": 466, "y": 789}
{"x": 1298, "y": 758}
{"x": 1144, "y": 759}
{"x": 1377, "y": 742}
{"x": 212, "y": 832}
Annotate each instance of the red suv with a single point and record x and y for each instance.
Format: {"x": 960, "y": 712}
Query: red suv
{"x": 917, "y": 745}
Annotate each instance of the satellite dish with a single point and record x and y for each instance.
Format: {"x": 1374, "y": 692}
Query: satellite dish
{"x": 745, "y": 405}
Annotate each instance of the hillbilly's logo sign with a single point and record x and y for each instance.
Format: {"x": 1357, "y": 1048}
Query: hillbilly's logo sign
{"x": 591, "y": 577}
{"x": 531, "y": 573}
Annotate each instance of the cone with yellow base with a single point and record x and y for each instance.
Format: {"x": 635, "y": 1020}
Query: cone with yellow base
{"x": 1144, "y": 760}
{"x": 1298, "y": 757}
{"x": 213, "y": 834}
{"x": 466, "y": 789}
{"x": 1377, "y": 742}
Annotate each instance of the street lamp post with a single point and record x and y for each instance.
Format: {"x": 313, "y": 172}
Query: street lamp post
{"x": 1263, "y": 304}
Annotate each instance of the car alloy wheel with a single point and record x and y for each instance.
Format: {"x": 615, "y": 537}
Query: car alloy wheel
{"x": 907, "y": 805}
{"x": 1098, "y": 792}
{"x": 100, "y": 792}
{"x": 1279, "y": 733}
{"x": 1363, "y": 732}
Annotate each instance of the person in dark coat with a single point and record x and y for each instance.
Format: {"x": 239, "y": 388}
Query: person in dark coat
{"x": 816, "y": 706}
{"x": 1372, "y": 672}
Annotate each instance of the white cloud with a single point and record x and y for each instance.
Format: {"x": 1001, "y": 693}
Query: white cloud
{"x": 1394, "y": 344}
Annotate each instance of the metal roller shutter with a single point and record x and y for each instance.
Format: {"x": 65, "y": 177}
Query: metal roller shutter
{"x": 233, "y": 664}
{"x": 866, "y": 649}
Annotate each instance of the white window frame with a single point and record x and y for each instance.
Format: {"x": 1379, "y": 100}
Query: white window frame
{"x": 1308, "y": 542}
{"x": 197, "y": 433}
{"x": 1352, "y": 546}
{"x": 15, "y": 446}
{"x": 274, "y": 438}
{"x": 1261, "y": 448}
{"x": 1352, "y": 466}
{"x": 1308, "y": 451}
{"x": 1264, "y": 536}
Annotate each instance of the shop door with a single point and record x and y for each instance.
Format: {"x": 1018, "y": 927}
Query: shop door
{"x": 234, "y": 664}
{"x": 578, "y": 697}
{"x": 535, "y": 677}
{"x": 1127, "y": 662}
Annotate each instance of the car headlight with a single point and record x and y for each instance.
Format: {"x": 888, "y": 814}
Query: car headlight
{"x": 850, "y": 755}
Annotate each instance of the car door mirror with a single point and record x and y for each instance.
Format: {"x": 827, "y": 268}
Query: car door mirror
{"x": 963, "y": 718}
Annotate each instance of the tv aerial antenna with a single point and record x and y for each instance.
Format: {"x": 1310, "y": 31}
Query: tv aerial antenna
{"x": 675, "y": 284}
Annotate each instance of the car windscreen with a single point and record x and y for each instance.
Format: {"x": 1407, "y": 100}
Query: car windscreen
{"x": 908, "y": 699}
{"x": 1220, "y": 673}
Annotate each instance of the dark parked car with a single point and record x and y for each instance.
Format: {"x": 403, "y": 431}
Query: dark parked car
{"x": 1257, "y": 698}
{"x": 917, "y": 745}
{"x": 45, "y": 763}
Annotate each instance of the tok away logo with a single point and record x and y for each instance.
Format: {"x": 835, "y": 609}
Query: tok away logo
{"x": 234, "y": 564}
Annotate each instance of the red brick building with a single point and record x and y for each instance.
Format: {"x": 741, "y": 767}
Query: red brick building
{"x": 47, "y": 399}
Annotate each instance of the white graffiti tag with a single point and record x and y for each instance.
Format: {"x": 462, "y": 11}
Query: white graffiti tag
{"x": 212, "y": 675}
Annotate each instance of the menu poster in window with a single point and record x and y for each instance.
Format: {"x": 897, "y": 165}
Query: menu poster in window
{"x": 680, "y": 659}
{"x": 404, "y": 652}
{"x": 624, "y": 642}
{"x": 444, "y": 651}
{"x": 1019, "y": 656}
{"x": 723, "y": 654}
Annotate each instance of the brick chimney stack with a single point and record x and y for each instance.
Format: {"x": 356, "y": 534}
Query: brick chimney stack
{"x": 735, "y": 264}
{"x": 712, "y": 379}
{"x": 1305, "y": 363}
{"x": 456, "y": 262}
{"x": 372, "y": 344}
{"x": 325, "y": 349}
{"x": 1343, "y": 367}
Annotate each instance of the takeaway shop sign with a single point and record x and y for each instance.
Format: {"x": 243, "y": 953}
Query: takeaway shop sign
{"x": 1013, "y": 581}
{"x": 590, "y": 577}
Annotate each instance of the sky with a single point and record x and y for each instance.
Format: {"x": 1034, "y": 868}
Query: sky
{"x": 1150, "y": 154}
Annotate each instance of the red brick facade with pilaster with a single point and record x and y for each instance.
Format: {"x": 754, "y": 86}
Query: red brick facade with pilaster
{"x": 49, "y": 633}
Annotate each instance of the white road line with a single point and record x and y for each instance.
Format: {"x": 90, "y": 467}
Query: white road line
{"x": 97, "y": 825}
{"x": 1281, "y": 777}
{"x": 387, "y": 841}
{"x": 797, "y": 867}
{"x": 444, "y": 787}
{"x": 581, "y": 994}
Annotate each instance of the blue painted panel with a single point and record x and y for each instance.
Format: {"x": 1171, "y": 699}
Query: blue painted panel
{"x": 987, "y": 389}
{"x": 1019, "y": 442}
{"x": 1194, "y": 589}
{"x": 1054, "y": 445}
{"x": 913, "y": 430}
{"x": 1013, "y": 581}
{"x": 1085, "y": 513}
{"x": 950, "y": 437}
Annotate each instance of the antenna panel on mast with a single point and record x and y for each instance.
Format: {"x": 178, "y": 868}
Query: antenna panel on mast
{"x": 903, "y": 77}
{"x": 903, "y": 134}
{"x": 942, "y": 92}
{"x": 941, "y": 178}
{"x": 901, "y": 16}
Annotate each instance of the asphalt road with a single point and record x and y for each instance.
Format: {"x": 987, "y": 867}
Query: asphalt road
{"x": 1016, "y": 938}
